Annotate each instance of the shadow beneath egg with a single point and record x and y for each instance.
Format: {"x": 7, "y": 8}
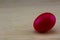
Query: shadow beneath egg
{"x": 49, "y": 32}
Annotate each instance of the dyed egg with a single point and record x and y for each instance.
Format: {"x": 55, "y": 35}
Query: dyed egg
{"x": 44, "y": 22}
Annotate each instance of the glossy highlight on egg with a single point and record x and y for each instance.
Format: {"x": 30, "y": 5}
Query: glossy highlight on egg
{"x": 44, "y": 22}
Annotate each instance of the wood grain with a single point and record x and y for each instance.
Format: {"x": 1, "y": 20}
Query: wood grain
{"x": 16, "y": 19}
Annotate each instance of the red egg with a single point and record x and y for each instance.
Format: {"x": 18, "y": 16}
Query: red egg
{"x": 44, "y": 22}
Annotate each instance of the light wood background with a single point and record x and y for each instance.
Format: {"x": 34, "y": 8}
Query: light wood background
{"x": 17, "y": 16}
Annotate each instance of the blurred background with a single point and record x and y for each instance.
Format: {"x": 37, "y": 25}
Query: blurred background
{"x": 17, "y": 17}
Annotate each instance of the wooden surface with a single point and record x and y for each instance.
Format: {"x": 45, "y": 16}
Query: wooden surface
{"x": 17, "y": 16}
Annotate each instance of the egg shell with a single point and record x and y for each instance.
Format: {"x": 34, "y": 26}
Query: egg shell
{"x": 44, "y": 22}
